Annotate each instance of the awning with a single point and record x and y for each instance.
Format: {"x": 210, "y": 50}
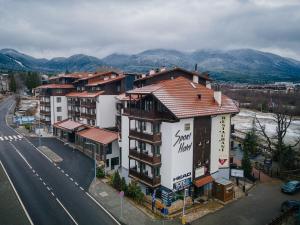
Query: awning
{"x": 205, "y": 180}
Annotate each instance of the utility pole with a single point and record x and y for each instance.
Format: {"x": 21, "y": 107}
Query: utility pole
{"x": 40, "y": 130}
{"x": 183, "y": 208}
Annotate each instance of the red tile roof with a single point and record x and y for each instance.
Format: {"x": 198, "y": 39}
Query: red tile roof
{"x": 96, "y": 74}
{"x": 180, "y": 96}
{"x": 68, "y": 125}
{"x": 99, "y": 135}
{"x": 52, "y": 86}
{"x": 84, "y": 94}
{"x": 120, "y": 77}
{"x": 174, "y": 69}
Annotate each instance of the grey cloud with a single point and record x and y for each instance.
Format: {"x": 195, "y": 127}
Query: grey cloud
{"x": 61, "y": 28}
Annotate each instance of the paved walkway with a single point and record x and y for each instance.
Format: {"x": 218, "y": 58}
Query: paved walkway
{"x": 110, "y": 199}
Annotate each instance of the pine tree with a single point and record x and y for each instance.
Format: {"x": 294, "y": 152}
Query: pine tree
{"x": 246, "y": 164}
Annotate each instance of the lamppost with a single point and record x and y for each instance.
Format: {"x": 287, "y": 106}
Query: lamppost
{"x": 95, "y": 163}
{"x": 183, "y": 208}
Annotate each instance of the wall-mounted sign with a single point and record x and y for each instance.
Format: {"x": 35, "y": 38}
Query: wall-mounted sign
{"x": 199, "y": 171}
{"x": 182, "y": 184}
{"x": 183, "y": 141}
{"x": 186, "y": 175}
{"x": 237, "y": 173}
{"x": 224, "y": 142}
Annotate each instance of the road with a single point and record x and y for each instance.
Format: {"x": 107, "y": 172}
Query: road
{"x": 259, "y": 208}
{"x": 52, "y": 194}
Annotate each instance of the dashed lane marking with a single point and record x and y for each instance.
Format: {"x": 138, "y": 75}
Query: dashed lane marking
{"x": 81, "y": 188}
{"x": 74, "y": 221}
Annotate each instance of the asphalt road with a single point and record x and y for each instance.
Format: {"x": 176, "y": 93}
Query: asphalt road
{"x": 51, "y": 193}
{"x": 259, "y": 208}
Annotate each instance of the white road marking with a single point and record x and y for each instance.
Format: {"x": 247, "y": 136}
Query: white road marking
{"x": 10, "y": 137}
{"x": 15, "y": 137}
{"x": 71, "y": 178}
{"x": 44, "y": 183}
{"x": 27, "y": 215}
{"x": 41, "y": 179}
{"x": 21, "y": 155}
{"x": 67, "y": 174}
{"x": 33, "y": 171}
{"x": 91, "y": 197}
{"x": 1, "y": 138}
{"x": 81, "y": 188}
{"x": 66, "y": 211}
{"x": 48, "y": 188}
{"x": 6, "y": 138}
{"x": 58, "y": 167}
{"x": 52, "y": 194}
{"x": 76, "y": 183}
{"x": 19, "y": 136}
{"x": 62, "y": 171}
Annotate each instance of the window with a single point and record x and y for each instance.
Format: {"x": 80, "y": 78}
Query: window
{"x": 58, "y": 99}
{"x": 58, "y": 109}
{"x": 107, "y": 163}
{"x": 109, "y": 148}
{"x": 114, "y": 162}
{"x": 59, "y": 118}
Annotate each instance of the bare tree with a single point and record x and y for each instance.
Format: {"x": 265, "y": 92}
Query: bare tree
{"x": 276, "y": 143}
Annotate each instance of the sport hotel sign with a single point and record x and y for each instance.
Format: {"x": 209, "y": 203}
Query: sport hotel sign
{"x": 182, "y": 155}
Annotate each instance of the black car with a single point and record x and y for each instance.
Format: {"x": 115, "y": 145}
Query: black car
{"x": 286, "y": 205}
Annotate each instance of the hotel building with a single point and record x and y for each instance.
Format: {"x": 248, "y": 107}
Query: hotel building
{"x": 175, "y": 134}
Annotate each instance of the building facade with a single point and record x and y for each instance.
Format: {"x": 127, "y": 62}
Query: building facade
{"x": 175, "y": 135}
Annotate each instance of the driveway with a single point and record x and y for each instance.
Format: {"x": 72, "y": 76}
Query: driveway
{"x": 259, "y": 208}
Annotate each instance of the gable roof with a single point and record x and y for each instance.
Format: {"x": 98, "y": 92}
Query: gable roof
{"x": 53, "y": 86}
{"x": 180, "y": 96}
{"x": 68, "y": 124}
{"x": 84, "y": 94}
{"x": 99, "y": 135}
{"x": 172, "y": 70}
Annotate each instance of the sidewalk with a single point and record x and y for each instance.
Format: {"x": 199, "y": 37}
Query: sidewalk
{"x": 110, "y": 199}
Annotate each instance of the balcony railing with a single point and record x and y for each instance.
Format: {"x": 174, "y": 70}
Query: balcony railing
{"x": 45, "y": 103}
{"x": 155, "y": 159}
{"x": 156, "y": 137}
{"x": 151, "y": 181}
{"x": 89, "y": 116}
{"x": 153, "y": 115}
{"x": 45, "y": 112}
{"x": 88, "y": 105}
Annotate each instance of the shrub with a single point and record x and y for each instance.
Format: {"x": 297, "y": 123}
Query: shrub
{"x": 123, "y": 185}
{"x": 134, "y": 191}
{"x": 116, "y": 181}
{"x": 100, "y": 172}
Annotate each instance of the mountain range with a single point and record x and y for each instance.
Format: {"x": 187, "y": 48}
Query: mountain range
{"x": 240, "y": 65}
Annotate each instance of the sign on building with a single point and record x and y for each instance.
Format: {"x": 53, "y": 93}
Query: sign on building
{"x": 237, "y": 173}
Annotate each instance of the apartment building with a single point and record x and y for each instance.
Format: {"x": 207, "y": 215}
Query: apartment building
{"x": 175, "y": 135}
{"x": 53, "y": 103}
{"x": 88, "y": 98}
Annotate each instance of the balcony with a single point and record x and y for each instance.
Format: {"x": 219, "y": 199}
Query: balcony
{"x": 45, "y": 103}
{"x": 89, "y": 105}
{"x": 152, "y": 160}
{"x": 150, "y": 181}
{"x": 45, "y": 112}
{"x": 88, "y": 116}
{"x": 153, "y": 138}
{"x": 150, "y": 115}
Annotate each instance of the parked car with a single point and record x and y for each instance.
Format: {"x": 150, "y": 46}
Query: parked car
{"x": 286, "y": 205}
{"x": 291, "y": 187}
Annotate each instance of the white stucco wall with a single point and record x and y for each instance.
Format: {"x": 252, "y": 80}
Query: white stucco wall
{"x": 64, "y": 108}
{"x": 115, "y": 153}
{"x": 106, "y": 111}
{"x": 174, "y": 162}
{"x": 220, "y": 142}
{"x": 125, "y": 141}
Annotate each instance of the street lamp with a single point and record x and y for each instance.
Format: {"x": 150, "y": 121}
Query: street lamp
{"x": 95, "y": 164}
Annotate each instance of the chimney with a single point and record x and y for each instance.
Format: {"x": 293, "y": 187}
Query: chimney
{"x": 196, "y": 67}
{"x": 151, "y": 72}
{"x": 218, "y": 97}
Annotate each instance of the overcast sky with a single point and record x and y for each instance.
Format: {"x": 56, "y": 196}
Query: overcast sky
{"x": 48, "y": 28}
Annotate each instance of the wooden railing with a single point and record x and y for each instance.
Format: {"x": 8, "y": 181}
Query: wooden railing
{"x": 156, "y": 137}
{"x": 152, "y": 181}
{"x": 155, "y": 159}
